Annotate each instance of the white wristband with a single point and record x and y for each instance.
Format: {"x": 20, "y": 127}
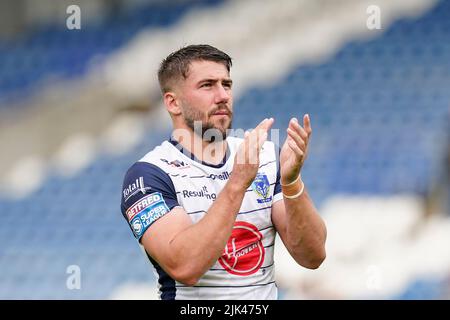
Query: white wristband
{"x": 290, "y": 184}
{"x": 296, "y": 195}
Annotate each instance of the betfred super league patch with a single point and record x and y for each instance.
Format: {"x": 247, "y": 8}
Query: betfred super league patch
{"x": 146, "y": 211}
{"x": 143, "y": 204}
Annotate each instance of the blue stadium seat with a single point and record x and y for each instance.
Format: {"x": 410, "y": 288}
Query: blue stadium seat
{"x": 369, "y": 106}
{"x": 50, "y": 50}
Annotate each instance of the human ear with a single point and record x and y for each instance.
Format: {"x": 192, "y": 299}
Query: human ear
{"x": 172, "y": 103}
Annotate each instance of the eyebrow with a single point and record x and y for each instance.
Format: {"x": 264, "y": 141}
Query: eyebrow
{"x": 226, "y": 81}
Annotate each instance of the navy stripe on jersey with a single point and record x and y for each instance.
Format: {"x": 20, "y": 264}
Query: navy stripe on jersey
{"x": 265, "y": 267}
{"x": 242, "y": 286}
{"x": 168, "y": 288}
{"x": 277, "y": 189}
{"x": 270, "y": 245}
{"x": 198, "y": 211}
{"x": 254, "y": 210}
{"x": 265, "y": 164}
{"x": 243, "y": 212}
{"x": 266, "y": 228}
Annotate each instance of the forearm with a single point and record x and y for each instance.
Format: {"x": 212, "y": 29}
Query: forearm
{"x": 198, "y": 247}
{"x": 305, "y": 231}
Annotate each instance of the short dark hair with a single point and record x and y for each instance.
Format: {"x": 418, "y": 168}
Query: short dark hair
{"x": 176, "y": 65}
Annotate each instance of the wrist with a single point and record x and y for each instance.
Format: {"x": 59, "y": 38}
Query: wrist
{"x": 235, "y": 187}
{"x": 288, "y": 182}
{"x": 293, "y": 189}
{"x": 290, "y": 178}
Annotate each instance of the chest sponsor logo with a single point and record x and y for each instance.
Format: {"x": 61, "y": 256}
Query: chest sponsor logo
{"x": 144, "y": 203}
{"x": 203, "y": 193}
{"x": 134, "y": 187}
{"x": 244, "y": 252}
{"x": 222, "y": 176}
{"x": 261, "y": 186}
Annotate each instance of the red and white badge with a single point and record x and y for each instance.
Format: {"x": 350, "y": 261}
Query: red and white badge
{"x": 244, "y": 252}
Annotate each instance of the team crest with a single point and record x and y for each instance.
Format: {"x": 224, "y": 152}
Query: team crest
{"x": 261, "y": 186}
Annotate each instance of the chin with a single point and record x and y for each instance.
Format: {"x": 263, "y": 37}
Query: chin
{"x": 215, "y": 134}
{"x": 219, "y": 132}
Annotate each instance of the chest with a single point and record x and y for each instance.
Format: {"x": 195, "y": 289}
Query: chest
{"x": 197, "y": 190}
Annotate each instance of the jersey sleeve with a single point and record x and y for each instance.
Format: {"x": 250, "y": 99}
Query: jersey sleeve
{"x": 277, "y": 195}
{"x": 148, "y": 194}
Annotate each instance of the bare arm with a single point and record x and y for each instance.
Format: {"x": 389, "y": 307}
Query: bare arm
{"x": 297, "y": 221}
{"x": 301, "y": 229}
{"x": 186, "y": 250}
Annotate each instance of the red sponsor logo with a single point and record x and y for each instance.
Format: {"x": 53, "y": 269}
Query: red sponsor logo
{"x": 143, "y": 204}
{"x": 244, "y": 252}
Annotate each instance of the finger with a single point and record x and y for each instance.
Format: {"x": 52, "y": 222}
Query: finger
{"x": 265, "y": 124}
{"x": 252, "y": 146}
{"x": 307, "y": 124}
{"x": 298, "y": 128}
{"x": 295, "y": 148}
{"x": 261, "y": 124}
{"x": 261, "y": 139}
{"x": 255, "y": 146}
{"x": 261, "y": 132}
{"x": 269, "y": 124}
{"x": 257, "y": 139}
{"x": 257, "y": 143}
{"x": 301, "y": 143}
{"x": 242, "y": 154}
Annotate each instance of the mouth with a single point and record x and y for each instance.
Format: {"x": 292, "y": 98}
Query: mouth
{"x": 221, "y": 113}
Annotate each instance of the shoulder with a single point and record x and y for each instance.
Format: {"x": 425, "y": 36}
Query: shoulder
{"x": 143, "y": 177}
{"x": 149, "y": 174}
{"x": 143, "y": 168}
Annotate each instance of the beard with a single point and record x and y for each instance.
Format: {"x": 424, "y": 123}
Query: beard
{"x": 208, "y": 130}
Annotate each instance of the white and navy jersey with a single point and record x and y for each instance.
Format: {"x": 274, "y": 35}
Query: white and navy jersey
{"x": 169, "y": 176}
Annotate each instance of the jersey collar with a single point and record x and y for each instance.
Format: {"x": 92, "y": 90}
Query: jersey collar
{"x": 187, "y": 153}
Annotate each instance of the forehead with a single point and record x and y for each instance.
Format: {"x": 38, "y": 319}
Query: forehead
{"x": 199, "y": 70}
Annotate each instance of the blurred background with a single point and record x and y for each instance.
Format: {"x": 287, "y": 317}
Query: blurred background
{"x": 80, "y": 102}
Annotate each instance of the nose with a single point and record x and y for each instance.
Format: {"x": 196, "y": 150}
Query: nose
{"x": 222, "y": 95}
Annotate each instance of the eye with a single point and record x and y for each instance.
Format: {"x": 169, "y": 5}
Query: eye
{"x": 206, "y": 85}
{"x": 227, "y": 84}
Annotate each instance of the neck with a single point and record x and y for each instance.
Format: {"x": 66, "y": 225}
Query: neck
{"x": 209, "y": 152}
